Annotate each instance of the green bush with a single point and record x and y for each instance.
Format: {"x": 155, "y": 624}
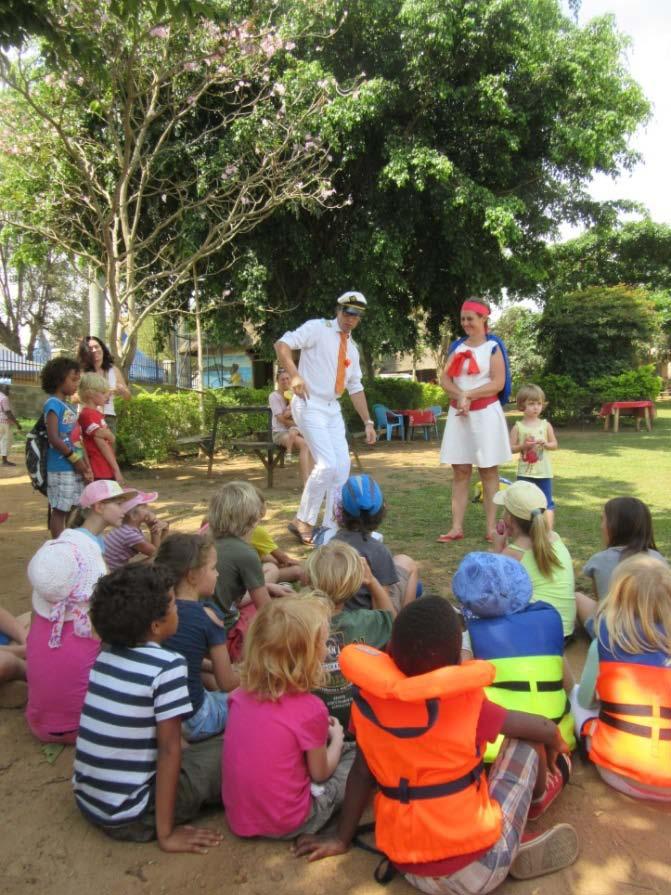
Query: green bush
{"x": 642, "y": 384}
{"x": 566, "y": 400}
{"x": 396, "y": 394}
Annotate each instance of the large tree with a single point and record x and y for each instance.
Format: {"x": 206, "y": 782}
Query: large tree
{"x": 485, "y": 121}
{"x": 144, "y": 148}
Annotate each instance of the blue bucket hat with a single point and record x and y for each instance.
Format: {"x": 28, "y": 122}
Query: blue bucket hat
{"x": 488, "y": 585}
{"x": 361, "y": 493}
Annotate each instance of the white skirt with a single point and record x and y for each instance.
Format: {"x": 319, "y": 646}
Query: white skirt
{"x": 481, "y": 438}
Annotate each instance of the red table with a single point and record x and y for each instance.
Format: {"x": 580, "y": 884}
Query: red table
{"x": 639, "y": 409}
{"x": 418, "y": 419}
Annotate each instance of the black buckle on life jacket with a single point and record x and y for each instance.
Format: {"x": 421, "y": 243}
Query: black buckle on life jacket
{"x": 525, "y": 686}
{"x": 385, "y": 870}
{"x": 368, "y": 712}
{"x": 405, "y": 794}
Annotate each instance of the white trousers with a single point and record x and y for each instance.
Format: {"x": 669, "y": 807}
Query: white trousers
{"x": 5, "y": 439}
{"x": 323, "y": 427}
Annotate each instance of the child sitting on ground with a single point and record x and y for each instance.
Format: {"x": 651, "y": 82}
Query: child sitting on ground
{"x": 284, "y": 762}
{"x": 61, "y": 646}
{"x": 531, "y": 437}
{"x": 338, "y": 571}
{"x": 244, "y": 584}
{"x": 421, "y": 721}
{"x": 13, "y": 633}
{"x": 98, "y": 437}
{"x": 192, "y": 563}
{"x": 288, "y": 568}
{"x": 128, "y": 542}
{"x": 524, "y": 641}
{"x": 362, "y": 512}
{"x": 68, "y": 470}
{"x": 623, "y": 704}
{"x": 131, "y": 778}
{"x": 524, "y": 534}
{"x": 626, "y": 526}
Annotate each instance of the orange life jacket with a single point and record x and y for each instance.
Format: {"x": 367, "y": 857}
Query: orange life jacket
{"x": 417, "y": 735}
{"x": 632, "y": 735}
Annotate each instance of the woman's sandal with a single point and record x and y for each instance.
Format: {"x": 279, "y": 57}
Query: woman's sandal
{"x": 306, "y": 540}
{"x": 445, "y": 539}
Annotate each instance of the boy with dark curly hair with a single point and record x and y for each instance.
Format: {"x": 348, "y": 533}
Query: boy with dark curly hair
{"x": 68, "y": 469}
{"x": 131, "y": 778}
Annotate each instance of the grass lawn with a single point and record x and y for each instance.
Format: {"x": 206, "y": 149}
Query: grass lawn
{"x": 590, "y": 467}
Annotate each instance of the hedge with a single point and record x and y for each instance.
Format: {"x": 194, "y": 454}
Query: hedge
{"x": 569, "y": 402}
{"x": 149, "y": 425}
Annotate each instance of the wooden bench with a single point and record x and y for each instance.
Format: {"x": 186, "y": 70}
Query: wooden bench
{"x": 259, "y": 442}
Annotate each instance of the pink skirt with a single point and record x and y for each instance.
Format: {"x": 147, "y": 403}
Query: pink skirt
{"x": 57, "y": 680}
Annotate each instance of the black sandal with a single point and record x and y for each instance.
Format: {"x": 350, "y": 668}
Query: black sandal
{"x": 306, "y": 540}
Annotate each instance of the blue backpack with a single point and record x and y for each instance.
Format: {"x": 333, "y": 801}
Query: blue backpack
{"x": 504, "y": 394}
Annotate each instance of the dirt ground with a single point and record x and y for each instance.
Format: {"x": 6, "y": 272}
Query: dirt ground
{"x": 47, "y": 847}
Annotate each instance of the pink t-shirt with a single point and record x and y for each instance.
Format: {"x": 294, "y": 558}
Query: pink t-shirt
{"x": 265, "y": 783}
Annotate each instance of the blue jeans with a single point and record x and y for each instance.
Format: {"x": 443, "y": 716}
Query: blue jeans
{"x": 209, "y": 720}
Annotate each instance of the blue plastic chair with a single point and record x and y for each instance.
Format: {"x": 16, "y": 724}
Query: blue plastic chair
{"x": 387, "y": 419}
{"x": 437, "y": 411}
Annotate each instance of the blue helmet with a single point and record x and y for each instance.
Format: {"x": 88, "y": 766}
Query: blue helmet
{"x": 361, "y": 493}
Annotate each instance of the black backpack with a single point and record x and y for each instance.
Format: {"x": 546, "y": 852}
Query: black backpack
{"x": 37, "y": 445}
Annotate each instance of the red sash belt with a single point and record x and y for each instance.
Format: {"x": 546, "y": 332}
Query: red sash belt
{"x": 479, "y": 403}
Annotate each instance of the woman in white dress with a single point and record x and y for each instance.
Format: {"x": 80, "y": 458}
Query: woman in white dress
{"x": 476, "y": 432}
{"x": 95, "y": 357}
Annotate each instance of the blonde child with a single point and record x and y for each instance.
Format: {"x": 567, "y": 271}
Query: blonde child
{"x": 61, "y": 646}
{"x": 524, "y": 534}
{"x": 338, "y": 571}
{"x": 284, "y": 761}
{"x": 623, "y": 703}
{"x": 531, "y": 437}
{"x": 192, "y": 563}
{"x": 288, "y": 568}
{"x": 244, "y": 584}
{"x": 98, "y": 437}
{"x": 129, "y": 541}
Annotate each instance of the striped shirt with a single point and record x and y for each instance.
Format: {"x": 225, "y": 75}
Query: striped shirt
{"x": 131, "y": 690}
{"x": 120, "y": 545}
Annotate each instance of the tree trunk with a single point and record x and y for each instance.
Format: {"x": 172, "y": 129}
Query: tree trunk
{"x": 199, "y": 349}
{"x": 367, "y": 364}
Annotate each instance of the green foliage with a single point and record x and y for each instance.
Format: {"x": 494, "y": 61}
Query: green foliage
{"x": 570, "y": 402}
{"x": 518, "y": 327}
{"x": 566, "y": 400}
{"x": 396, "y": 394}
{"x": 472, "y": 136}
{"x": 633, "y": 385}
{"x": 599, "y": 331}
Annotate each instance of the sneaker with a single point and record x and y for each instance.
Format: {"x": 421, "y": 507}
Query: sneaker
{"x": 553, "y": 786}
{"x": 546, "y": 852}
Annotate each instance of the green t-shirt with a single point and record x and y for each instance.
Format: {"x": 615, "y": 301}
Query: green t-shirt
{"x": 240, "y": 570}
{"x": 370, "y": 626}
{"x": 541, "y": 468}
{"x": 559, "y": 588}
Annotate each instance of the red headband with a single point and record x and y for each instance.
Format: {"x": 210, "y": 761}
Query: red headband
{"x": 478, "y": 307}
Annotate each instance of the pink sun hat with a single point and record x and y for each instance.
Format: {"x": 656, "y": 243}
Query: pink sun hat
{"x": 104, "y": 489}
{"x": 137, "y": 498}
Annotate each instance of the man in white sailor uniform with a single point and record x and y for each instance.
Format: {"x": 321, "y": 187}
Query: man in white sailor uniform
{"x": 329, "y": 364}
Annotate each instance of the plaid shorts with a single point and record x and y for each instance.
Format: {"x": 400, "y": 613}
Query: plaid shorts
{"x": 511, "y": 784}
{"x": 64, "y": 489}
